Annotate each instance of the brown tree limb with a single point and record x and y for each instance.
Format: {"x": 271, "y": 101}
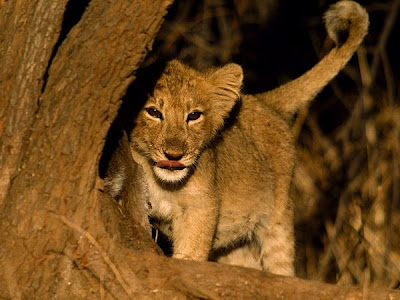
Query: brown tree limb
{"x": 56, "y": 170}
{"x": 155, "y": 277}
{"x": 28, "y": 33}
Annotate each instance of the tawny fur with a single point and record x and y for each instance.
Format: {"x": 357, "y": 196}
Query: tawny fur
{"x": 234, "y": 155}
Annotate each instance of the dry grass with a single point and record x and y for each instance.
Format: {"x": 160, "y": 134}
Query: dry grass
{"x": 347, "y": 183}
{"x": 353, "y": 174}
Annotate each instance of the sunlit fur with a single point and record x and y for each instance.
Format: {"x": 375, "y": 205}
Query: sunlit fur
{"x": 234, "y": 192}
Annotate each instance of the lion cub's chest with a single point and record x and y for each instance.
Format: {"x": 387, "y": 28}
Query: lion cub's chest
{"x": 161, "y": 201}
{"x": 167, "y": 203}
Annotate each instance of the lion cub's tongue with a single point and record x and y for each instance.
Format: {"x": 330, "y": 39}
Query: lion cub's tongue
{"x": 170, "y": 164}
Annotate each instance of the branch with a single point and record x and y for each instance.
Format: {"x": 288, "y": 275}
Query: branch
{"x": 167, "y": 278}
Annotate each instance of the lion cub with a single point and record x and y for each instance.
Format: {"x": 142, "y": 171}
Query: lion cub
{"x": 218, "y": 164}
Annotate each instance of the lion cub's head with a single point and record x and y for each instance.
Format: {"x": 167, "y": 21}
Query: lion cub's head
{"x": 182, "y": 116}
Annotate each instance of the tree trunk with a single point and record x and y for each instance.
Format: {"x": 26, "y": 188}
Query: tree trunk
{"x": 53, "y": 129}
{"x": 61, "y": 236}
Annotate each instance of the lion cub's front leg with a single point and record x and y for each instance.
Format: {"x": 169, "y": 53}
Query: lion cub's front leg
{"x": 193, "y": 227}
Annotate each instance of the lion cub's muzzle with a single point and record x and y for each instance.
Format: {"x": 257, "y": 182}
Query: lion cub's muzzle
{"x": 172, "y": 161}
{"x": 170, "y": 165}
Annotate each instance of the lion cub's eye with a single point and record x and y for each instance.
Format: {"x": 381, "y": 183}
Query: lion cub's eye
{"x": 194, "y": 116}
{"x": 155, "y": 113}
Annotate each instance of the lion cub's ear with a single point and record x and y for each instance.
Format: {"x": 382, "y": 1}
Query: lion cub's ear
{"x": 226, "y": 83}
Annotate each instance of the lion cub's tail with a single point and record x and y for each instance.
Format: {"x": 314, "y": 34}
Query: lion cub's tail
{"x": 344, "y": 17}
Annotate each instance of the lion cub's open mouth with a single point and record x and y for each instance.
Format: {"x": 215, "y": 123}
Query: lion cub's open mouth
{"x": 170, "y": 165}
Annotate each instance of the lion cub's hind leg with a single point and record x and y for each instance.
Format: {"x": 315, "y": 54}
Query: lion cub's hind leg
{"x": 275, "y": 235}
{"x": 277, "y": 248}
{"x": 247, "y": 256}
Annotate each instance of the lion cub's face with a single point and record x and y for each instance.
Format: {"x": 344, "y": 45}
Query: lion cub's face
{"x": 182, "y": 116}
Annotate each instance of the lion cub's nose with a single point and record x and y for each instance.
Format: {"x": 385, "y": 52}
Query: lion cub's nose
{"x": 173, "y": 155}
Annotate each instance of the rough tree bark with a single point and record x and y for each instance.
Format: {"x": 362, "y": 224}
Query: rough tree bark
{"x": 52, "y": 136}
{"x": 60, "y": 235}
